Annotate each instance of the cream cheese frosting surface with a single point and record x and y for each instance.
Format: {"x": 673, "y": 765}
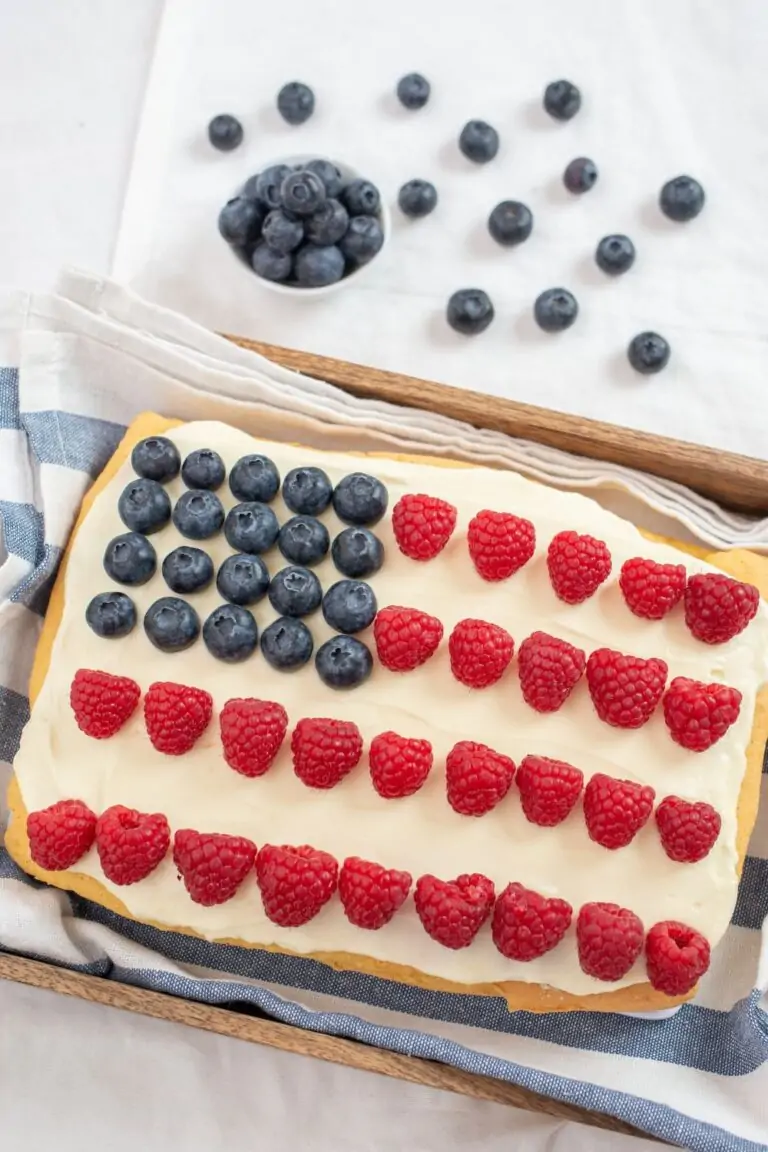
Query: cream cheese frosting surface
{"x": 420, "y": 833}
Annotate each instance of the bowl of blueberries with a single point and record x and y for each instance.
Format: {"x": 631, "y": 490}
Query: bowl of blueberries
{"x": 306, "y": 225}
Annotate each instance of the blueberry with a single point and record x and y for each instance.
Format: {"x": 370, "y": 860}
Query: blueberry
{"x": 417, "y": 198}
{"x": 240, "y": 221}
{"x": 130, "y": 559}
{"x": 681, "y": 199}
{"x": 615, "y": 254}
{"x": 317, "y": 267}
{"x": 479, "y": 141}
{"x": 198, "y": 515}
{"x": 470, "y": 311}
{"x": 360, "y": 499}
{"x": 266, "y": 185}
{"x": 302, "y": 192}
{"x": 413, "y": 91}
{"x": 171, "y": 624}
{"x": 555, "y": 310}
{"x": 329, "y": 174}
{"x": 156, "y": 458}
{"x": 230, "y": 633}
{"x": 295, "y": 591}
{"x": 251, "y": 527}
{"x": 580, "y": 175}
{"x": 144, "y": 506}
{"x": 510, "y": 223}
{"x": 361, "y": 198}
{"x": 303, "y": 540}
{"x": 111, "y": 615}
{"x": 203, "y": 468}
{"x": 648, "y": 353}
{"x": 357, "y": 552}
{"x": 286, "y": 644}
{"x": 349, "y": 606}
{"x": 269, "y": 265}
{"x": 254, "y": 477}
{"x": 307, "y": 490}
{"x": 343, "y": 662}
{"x": 243, "y": 579}
{"x": 225, "y": 132}
{"x": 562, "y": 99}
{"x": 362, "y": 240}
{"x": 328, "y": 224}
{"x": 295, "y": 102}
{"x": 187, "y": 569}
{"x": 281, "y": 232}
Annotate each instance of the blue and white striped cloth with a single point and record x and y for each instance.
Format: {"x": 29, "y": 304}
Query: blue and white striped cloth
{"x": 698, "y": 1078}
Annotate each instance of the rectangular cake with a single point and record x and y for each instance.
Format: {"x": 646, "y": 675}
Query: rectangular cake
{"x": 511, "y": 784}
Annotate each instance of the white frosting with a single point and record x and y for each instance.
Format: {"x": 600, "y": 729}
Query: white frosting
{"x": 420, "y": 833}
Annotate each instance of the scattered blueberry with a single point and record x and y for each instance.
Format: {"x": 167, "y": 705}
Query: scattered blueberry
{"x": 144, "y": 506}
{"x": 303, "y": 540}
{"x": 615, "y": 254}
{"x": 266, "y": 185}
{"x": 203, "y": 468}
{"x": 360, "y": 499}
{"x": 302, "y": 192}
{"x": 251, "y": 527}
{"x": 240, "y": 221}
{"x": 681, "y": 199}
{"x": 562, "y": 99}
{"x": 230, "y": 633}
{"x": 156, "y": 458}
{"x": 362, "y": 240}
{"x": 295, "y": 102}
{"x": 243, "y": 579}
{"x": 307, "y": 490}
{"x": 171, "y": 624}
{"x": 269, "y": 265}
{"x": 357, "y": 553}
{"x": 187, "y": 569}
{"x": 198, "y": 515}
{"x": 225, "y": 132}
{"x": 328, "y": 224}
{"x": 413, "y": 91}
{"x": 470, "y": 311}
{"x": 349, "y": 606}
{"x": 343, "y": 662}
{"x": 130, "y": 559}
{"x": 281, "y": 232}
{"x": 111, "y": 615}
{"x": 648, "y": 353}
{"x": 479, "y": 141}
{"x": 295, "y": 591}
{"x": 329, "y": 174}
{"x": 555, "y": 310}
{"x": 254, "y": 477}
{"x": 361, "y": 198}
{"x": 286, "y": 644}
{"x": 510, "y": 223}
{"x": 580, "y": 175}
{"x": 417, "y": 198}
{"x": 318, "y": 267}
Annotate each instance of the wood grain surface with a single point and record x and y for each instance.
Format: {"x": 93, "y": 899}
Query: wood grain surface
{"x": 737, "y": 482}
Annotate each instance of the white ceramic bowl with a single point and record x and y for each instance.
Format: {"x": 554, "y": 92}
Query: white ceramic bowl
{"x": 349, "y": 173}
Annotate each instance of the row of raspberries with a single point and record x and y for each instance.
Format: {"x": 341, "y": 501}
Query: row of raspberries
{"x": 500, "y": 544}
{"x": 295, "y": 883}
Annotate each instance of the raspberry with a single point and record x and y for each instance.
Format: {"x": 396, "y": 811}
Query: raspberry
{"x": 405, "y": 637}
{"x": 616, "y": 810}
{"x": 549, "y": 789}
{"x": 625, "y": 689}
{"x": 717, "y": 607}
{"x": 325, "y": 751}
{"x": 175, "y": 716}
{"x": 609, "y": 939}
{"x": 454, "y": 911}
{"x": 130, "y": 844}
{"x": 526, "y": 925}
{"x": 687, "y": 829}
{"x": 697, "y": 714}
{"x": 295, "y": 883}
{"x": 399, "y": 766}
{"x": 422, "y": 525}
{"x": 212, "y": 865}
{"x": 477, "y": 777}
{"x": 102, "y": 703}
{"x": 651, "y": 590}
{"x": 500, "y": 543}
{"x": 61, "y": 834}
{"x": 371, "y": 894}
{"x": 252, "y": 732}
{"x": 675, "y": 957}
{"x": 577, "y": 565}
{"x": 549, "y": 670}
{"x": 480, "y": 652}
